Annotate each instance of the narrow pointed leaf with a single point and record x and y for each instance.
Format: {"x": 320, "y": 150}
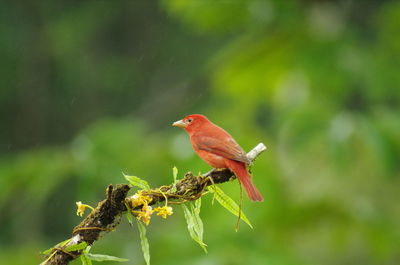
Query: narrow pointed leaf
{"x": 48, "y": 251}
{"x": 228, "y": 203}
{"x": 194, "y": 225}
{"x": 76, "y": 247}
{"x": 138, "y": 182}
{"x": 144, "y": 242}
{"x": 175, "y": 175}
{"x": 129, "y": 217}
{"x": 85, "y": 260}
{"x": 61, "y": 244}
{"x": 197, "y": 222}
{"x": 101, "y": 257}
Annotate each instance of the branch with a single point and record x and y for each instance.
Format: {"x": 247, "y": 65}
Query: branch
{"x": 107, "y": 215}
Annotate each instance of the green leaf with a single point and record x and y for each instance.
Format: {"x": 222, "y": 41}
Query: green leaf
{"x": 76, "y": 247}
{"x": 101, "y": 257}
{"x": 175, "y": 175}
{"x": 61, "y": 244}
{"x": 198, "y": 223}
{"x": 129, "y": 217}
{"x": 47, "y": 251}
{"x": 85, "y": 260}
{"x": 138, "y": 182}
{"x": 144, "y": 242}
{"x": 194, "y": 223}
{"x": 87, "y": 250}
{"x": 228, "y": 203}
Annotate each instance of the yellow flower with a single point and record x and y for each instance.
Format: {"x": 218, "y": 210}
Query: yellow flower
{"x": 145, "y": 214}
{"x": 81, "y": 208}
{"x": 139, "y": 199}
{"x": 164, "y": 211}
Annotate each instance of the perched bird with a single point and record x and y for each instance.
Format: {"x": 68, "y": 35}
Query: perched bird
{"x": 218, "y": 149}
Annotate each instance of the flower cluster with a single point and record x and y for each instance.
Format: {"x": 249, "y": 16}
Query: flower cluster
{"x": 145, "y": 214}
{"x": 164, "y": 211}
{"x": 139, "y": 199}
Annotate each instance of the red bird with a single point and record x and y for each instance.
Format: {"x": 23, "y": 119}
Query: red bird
{"x": 218, "y": 149}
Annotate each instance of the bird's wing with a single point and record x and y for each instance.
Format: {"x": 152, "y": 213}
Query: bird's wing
{"x": 223, "y": 146}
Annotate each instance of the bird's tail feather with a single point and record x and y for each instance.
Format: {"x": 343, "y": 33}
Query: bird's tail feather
{"x": 244, "y": 177}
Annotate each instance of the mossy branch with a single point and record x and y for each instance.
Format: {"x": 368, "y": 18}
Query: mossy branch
{"x": 107, "y": 215}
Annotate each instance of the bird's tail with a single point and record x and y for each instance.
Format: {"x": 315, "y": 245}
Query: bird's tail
{"x": 239, "y": 168}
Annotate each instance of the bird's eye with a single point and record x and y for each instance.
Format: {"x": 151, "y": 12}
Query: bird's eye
{"x": 190, "y": 120}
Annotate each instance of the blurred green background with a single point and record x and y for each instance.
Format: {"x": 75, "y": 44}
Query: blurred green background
{"x": 89, "y": 90}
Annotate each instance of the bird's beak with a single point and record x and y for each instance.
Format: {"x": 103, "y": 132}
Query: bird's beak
{"x": 180, "y": 124}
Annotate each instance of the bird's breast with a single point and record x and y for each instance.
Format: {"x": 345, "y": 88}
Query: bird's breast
{"x": 213, "y": 160}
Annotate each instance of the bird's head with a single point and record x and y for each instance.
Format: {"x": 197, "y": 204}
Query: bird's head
{"x": 191, "y": 122}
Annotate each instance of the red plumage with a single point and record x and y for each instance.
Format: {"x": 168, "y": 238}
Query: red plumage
{"x": 218, "y": 149}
